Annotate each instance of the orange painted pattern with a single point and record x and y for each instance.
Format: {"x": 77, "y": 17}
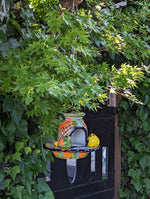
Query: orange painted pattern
{"x": 63, "y": 124}
{"x": 82, "y": 154}
{"x": 61, "y": 141}
{"x": 65, "y": 128}
{"x": 67, "y": 154}
{"x": 55, "y": 153}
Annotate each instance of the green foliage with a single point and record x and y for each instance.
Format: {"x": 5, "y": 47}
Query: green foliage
{"x": 55, "y": 62}
{"x": 42, "y": 8}
{"x": 60, "y": 71}
{"x": 127, "y": 29}
{"x": 135, "y": 133}
{"x": 17, "y": 23}
{"x": 22, "y": 157}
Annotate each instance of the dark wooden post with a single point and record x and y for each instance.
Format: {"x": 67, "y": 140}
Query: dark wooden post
{"x": 114, "y": 101}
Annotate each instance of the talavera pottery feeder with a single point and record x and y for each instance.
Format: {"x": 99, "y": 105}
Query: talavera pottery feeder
{"x": 73, "y": 138}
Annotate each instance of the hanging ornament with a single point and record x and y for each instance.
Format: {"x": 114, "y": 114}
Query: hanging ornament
{"x": 73, "y": 141}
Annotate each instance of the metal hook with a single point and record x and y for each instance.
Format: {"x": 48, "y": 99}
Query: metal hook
{"x": 73, "y": 7}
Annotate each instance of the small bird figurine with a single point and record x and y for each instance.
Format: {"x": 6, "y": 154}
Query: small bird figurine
{"x": 93, "y": 141}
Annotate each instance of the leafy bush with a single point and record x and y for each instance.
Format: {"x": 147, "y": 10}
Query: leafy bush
{"x": 53, "y": 63}
{"x": 22, "y": 156}
{"x": 135, "y": 133}
{"x": 60, "y": 71}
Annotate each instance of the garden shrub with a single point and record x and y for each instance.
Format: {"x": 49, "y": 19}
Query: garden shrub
{"x": 22, "y": 156}
{"x": 135, "y": 136}
{"x": 52, "y": 63}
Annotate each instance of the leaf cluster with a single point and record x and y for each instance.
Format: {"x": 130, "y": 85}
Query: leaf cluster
{"x": 42, "y": 8}
{"x": 135, "y": 134}
{"x": 124, "y": 33}
{"x": 22, "y": 156}
{"x": 17, "y": 24}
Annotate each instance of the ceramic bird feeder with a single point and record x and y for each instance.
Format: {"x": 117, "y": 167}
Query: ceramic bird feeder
{"x": 73, "y": 140}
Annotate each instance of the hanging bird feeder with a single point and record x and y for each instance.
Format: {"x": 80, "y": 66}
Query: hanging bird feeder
{"x": 73, "y": 141}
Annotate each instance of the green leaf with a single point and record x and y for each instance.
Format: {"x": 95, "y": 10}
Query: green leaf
{"x": 42, "y": 186}
{"x": 19, "y": 145}
{"x": 144, "y": 114}
{"x": 8, "y": 130}
{"x": 27, "y": 150}
{"x": 2, "y": 184}
{"x": 29, "y": 186}
{"x": 15, "y": 107}
{"x": 7, "y": 182}
{"x": 3, "y": 37}
{"x": 8, "y": 103}
{"x": 17, "y": 111}
{"x": 26, "y": 195}
{"x": 16, "y": 25}
{"x": 22, "y": 129}
{"x": 135, "y": 174}
{"x": 4, "y": 131}
{"x": 139, "y": 147}
{"x": 26, "y": 14}
{"x": 124, "y": 193}
{"x": 13, "y": 43}
{"x": 146, "y": 99}
{"x": 146, "y": 125}
{"x": 14, "y": 171}
{"x": 129, "y": 128}
{"x": 11, "y": 127}
{"x": 2, "y": 145}
{"x": 7, "y": 158}
{"x": 49, "y": 195}
{"x": 131, "y": 156}
{"x": 148, "y": 104}
{"x": 147, "y": 183}
{"x": 17, "y": 156}
{"x": 112, "y": 55}
{"x": 145, "y": 161}
{"x": 18, "y": 191}
{"x": 34, "y": 139}
{"x": 49, "y": 156}
{"x": 4, "y": 48}
{"x": 137, "y": 184}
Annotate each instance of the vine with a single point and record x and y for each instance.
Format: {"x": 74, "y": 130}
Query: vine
{"x": 135, "y": 134}
{"x": 21, "y": 154}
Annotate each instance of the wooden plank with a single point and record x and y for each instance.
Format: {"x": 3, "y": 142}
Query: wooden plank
{"x": 117, "y": 161}
{"x": 114, "y": 101}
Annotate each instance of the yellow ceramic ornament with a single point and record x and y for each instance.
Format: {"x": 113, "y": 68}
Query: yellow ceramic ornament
{"x": 93, "y": 141}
